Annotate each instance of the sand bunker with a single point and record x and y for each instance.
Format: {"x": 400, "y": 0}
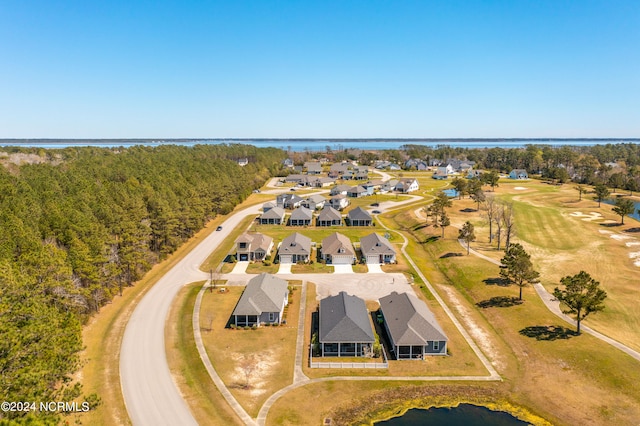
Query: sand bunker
{"x": 603, "y": 231}
{"x": 635, "y": 255}
{"x": 632, "y": 243}
{"x": 520, "y": 188}
{"x": 587, "y": 216}
{"x": 621, "y": 237}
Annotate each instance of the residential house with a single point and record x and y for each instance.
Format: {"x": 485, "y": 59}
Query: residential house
{"x": 407, "y": 185}
{"x": 295, "y": 248}
{"x": 394, "y": 167}
{"x": 274, "y": 216}
{"x": 348, "y": 175}
{"x": 359, "y": 217}
{"x": 288, "y": 201}
{"x": 253, "y": 246}
{"x": 381, "y": 164}
{"x": 388, "y": 185}
{"x": 361, "y": 173}
{"x": 262, "y": 302}
{"x": 313, "y": 167}
{"x": 339, "y": 202}
{"x": 300, "y": 179}
{"x": 474, "y": 174}
{"x": 357, "y": 191}
{"x": 344, "y": 327}
{"x": 460, "y": 165}
{"x": 340, "y": 168}
{"x": 301, "y": 216}
{"x": 288, "y": 163}
{"x": 412, "y": 328}
{"x": 243, "y": 162}
{"x": 321, "y": 182}
{"x": 268, "y": 206}
{"x": 339, "y": 189}
{"x": 314, "y": 202}
{"x": 441, "y": 173}
{"x": 377, "y": 250}
{"x": 338, "y": 250}
{"x": 415, "y": 163}
{"x": 518, "y": 174}
{"x": 329, "y": 216}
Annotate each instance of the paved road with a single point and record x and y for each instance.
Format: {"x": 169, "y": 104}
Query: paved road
{"x": 150, "y": 394}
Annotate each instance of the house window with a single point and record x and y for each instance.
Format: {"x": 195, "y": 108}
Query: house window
{"x": 436, "y": 346}
{"x": 243, "y": 245}
{"x": 272, "y": 316}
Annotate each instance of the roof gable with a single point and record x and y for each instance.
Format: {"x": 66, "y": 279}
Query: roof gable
{"x": 334, "y": 243}
{"x": 344, "y": 318}
{"x": 264, "y": 293}
{"x": 359, "y": 214}
{"x": 409, "y": 320}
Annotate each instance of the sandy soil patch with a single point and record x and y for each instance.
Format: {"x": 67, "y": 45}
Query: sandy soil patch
{"x": 587, "y": 216}
{"x": 635, "y": 255}
{"x": 619, "y": 237}
{"x": 632, "y": 243}
{"x": 253, "y": 370}
{"x": 520, "y": 188}
{"x": 479, "y": 335}
{"x": 603, "y": 231}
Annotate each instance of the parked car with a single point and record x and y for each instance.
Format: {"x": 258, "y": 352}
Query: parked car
{"x": 376, "y": 212}
{"x": 375, "y": 205}
{"x": 219, "y": 228}
{"x": 292, "y": 189}
{"x": 256, "y": 191}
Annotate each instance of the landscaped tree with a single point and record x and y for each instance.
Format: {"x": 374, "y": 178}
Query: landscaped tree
{"x": 476, "y": 192}
{"x": 617, "y": 180}
{"x": 490, "y": 211}
{"x": 467, "y": 235}
{"x": 602, "y": 192}
{"x": 517, "y": 267}
{"x": 509, "y": 223}
{"x": 444, "y": 222}
{"x": 460, "y": 185}
{"x": 436, "y": 209}
{"x": 581, "y": 190}
{"x": 582, "y": 296}
{"x": 623, "y": 207}
{"x": 491, "y": 178}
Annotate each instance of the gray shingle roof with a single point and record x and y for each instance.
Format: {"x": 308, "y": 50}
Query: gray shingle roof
{"x": 328, "y": 214}
{"x": 264, "y": 293}
{"x": 301, "y": 213}
{"x": 375, "y": 244}
{"x": 409, "y": 320}
{"x": 274, "y": 213}
{"x": 256, "y": 241}
{"x": 359, "y": 214}
{"x": 344, "y": 318}
{"x": 296, "y": 244}
{"x": 335, "y": 242}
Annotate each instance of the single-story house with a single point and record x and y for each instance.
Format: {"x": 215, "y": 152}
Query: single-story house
{"x": 287, "y": 162}
{"x": 296, "y": 178}
{"x": 518, "y": 174}
{"x": 339, "y": 202}
{"x": 357, "y": 191}
{"x": 340, "y": 168}
{"x": 301, "y": 216}
{"x": 339, "y": 190}
{"x": 377, "y": 250}
{"x": 412, "y": 328}
{"x": 253, "y": 246}
{"x": 415, "y": 163}
{"x": 314, "y": 202}
{"x": 388, "y": 185}
{"x": 313, "y": 167}
{"x": 295, "y": 248}
{"x": 321, "y": 182}
{"x": 262, "y": 301}
{"x": 344, "y": 327}
{"x": 268, "y": 206}
{"x": 359, "y": 217}
{"x": 329, "y": 216}
{"x": 274, "y": 216}
{"x": 338, "y": 250}
{"x": 407, "y": 185}
{"x": 362, "y": 173}
{"x": 289, "y": 201}
{"x": 243, "y": 162}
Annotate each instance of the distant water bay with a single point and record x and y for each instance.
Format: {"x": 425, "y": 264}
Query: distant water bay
{"x": 314, "y": 144}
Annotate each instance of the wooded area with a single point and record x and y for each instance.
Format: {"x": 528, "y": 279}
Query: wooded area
{"x": 85, "y": 222}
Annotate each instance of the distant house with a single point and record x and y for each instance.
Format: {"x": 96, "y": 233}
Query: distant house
{"x": 344, "y": 327}
{"x": 321, "y": 182}
{"x": 389, "y": 185}
{"x": 415, "y": 163}
{"x": 313, "y": 167}
{"x": 357, "y": 191}
{"x": 338, "y": 250}
{"x": 253, "y": 246}
{"x": 412, "y": 328}
{"x": 474, "y": 174}
{"x": 339, "y": 189}
{"x": 262, "y": 302}
{"x": 339, "y": 202}
{"x": 301, "y": 216}
{"x": 268, "y": 206}
{"x": 377, "y": 250}
{"x": 441, "y": 173}
{"x": 359, "y": 217}
{"x": 407, "y": 185}
{"x": 288, "y": 201}
{"x": 295, "y": 248}
{"x": 518, "y": 174}
{"x": 361, "y": 173}
{"x": 329, "y": 216}
{"x": 287, "y": 162}
{"x": 296, "y": 178}
{"x": 314, "y": 202}
{"x": 243, "y": 162}
{"x": 274, "y": 216}
{"x": 348, "y": 175}
{"x": 460, "y": 165}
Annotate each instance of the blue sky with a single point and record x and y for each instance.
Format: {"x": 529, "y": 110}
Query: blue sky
{"x": 287, "y": 69}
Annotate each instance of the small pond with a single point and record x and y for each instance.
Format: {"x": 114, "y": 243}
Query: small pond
{"x": 462, "y": 415}
{"x": 636, "y": 204}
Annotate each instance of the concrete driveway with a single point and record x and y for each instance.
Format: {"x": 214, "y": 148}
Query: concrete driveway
{"x": 374, "y": 268}
{"x": 285, "y": 268}
{"x": 342, "y": 269}
{"x": 240, "y": 267}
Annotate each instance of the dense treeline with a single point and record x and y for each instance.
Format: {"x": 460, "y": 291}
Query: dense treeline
{"x": 76, "y": 228}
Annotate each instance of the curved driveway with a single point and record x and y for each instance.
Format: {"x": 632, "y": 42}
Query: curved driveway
{"x": 150, "y": 394}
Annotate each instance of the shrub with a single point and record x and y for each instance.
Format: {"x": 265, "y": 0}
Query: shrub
{"x": 233, "y": 259}
{"x": 267, "y": 257}
{"x": 246, "y": 327}
{"x": 266, "y": 263}
{"x": 233, "y": 326}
